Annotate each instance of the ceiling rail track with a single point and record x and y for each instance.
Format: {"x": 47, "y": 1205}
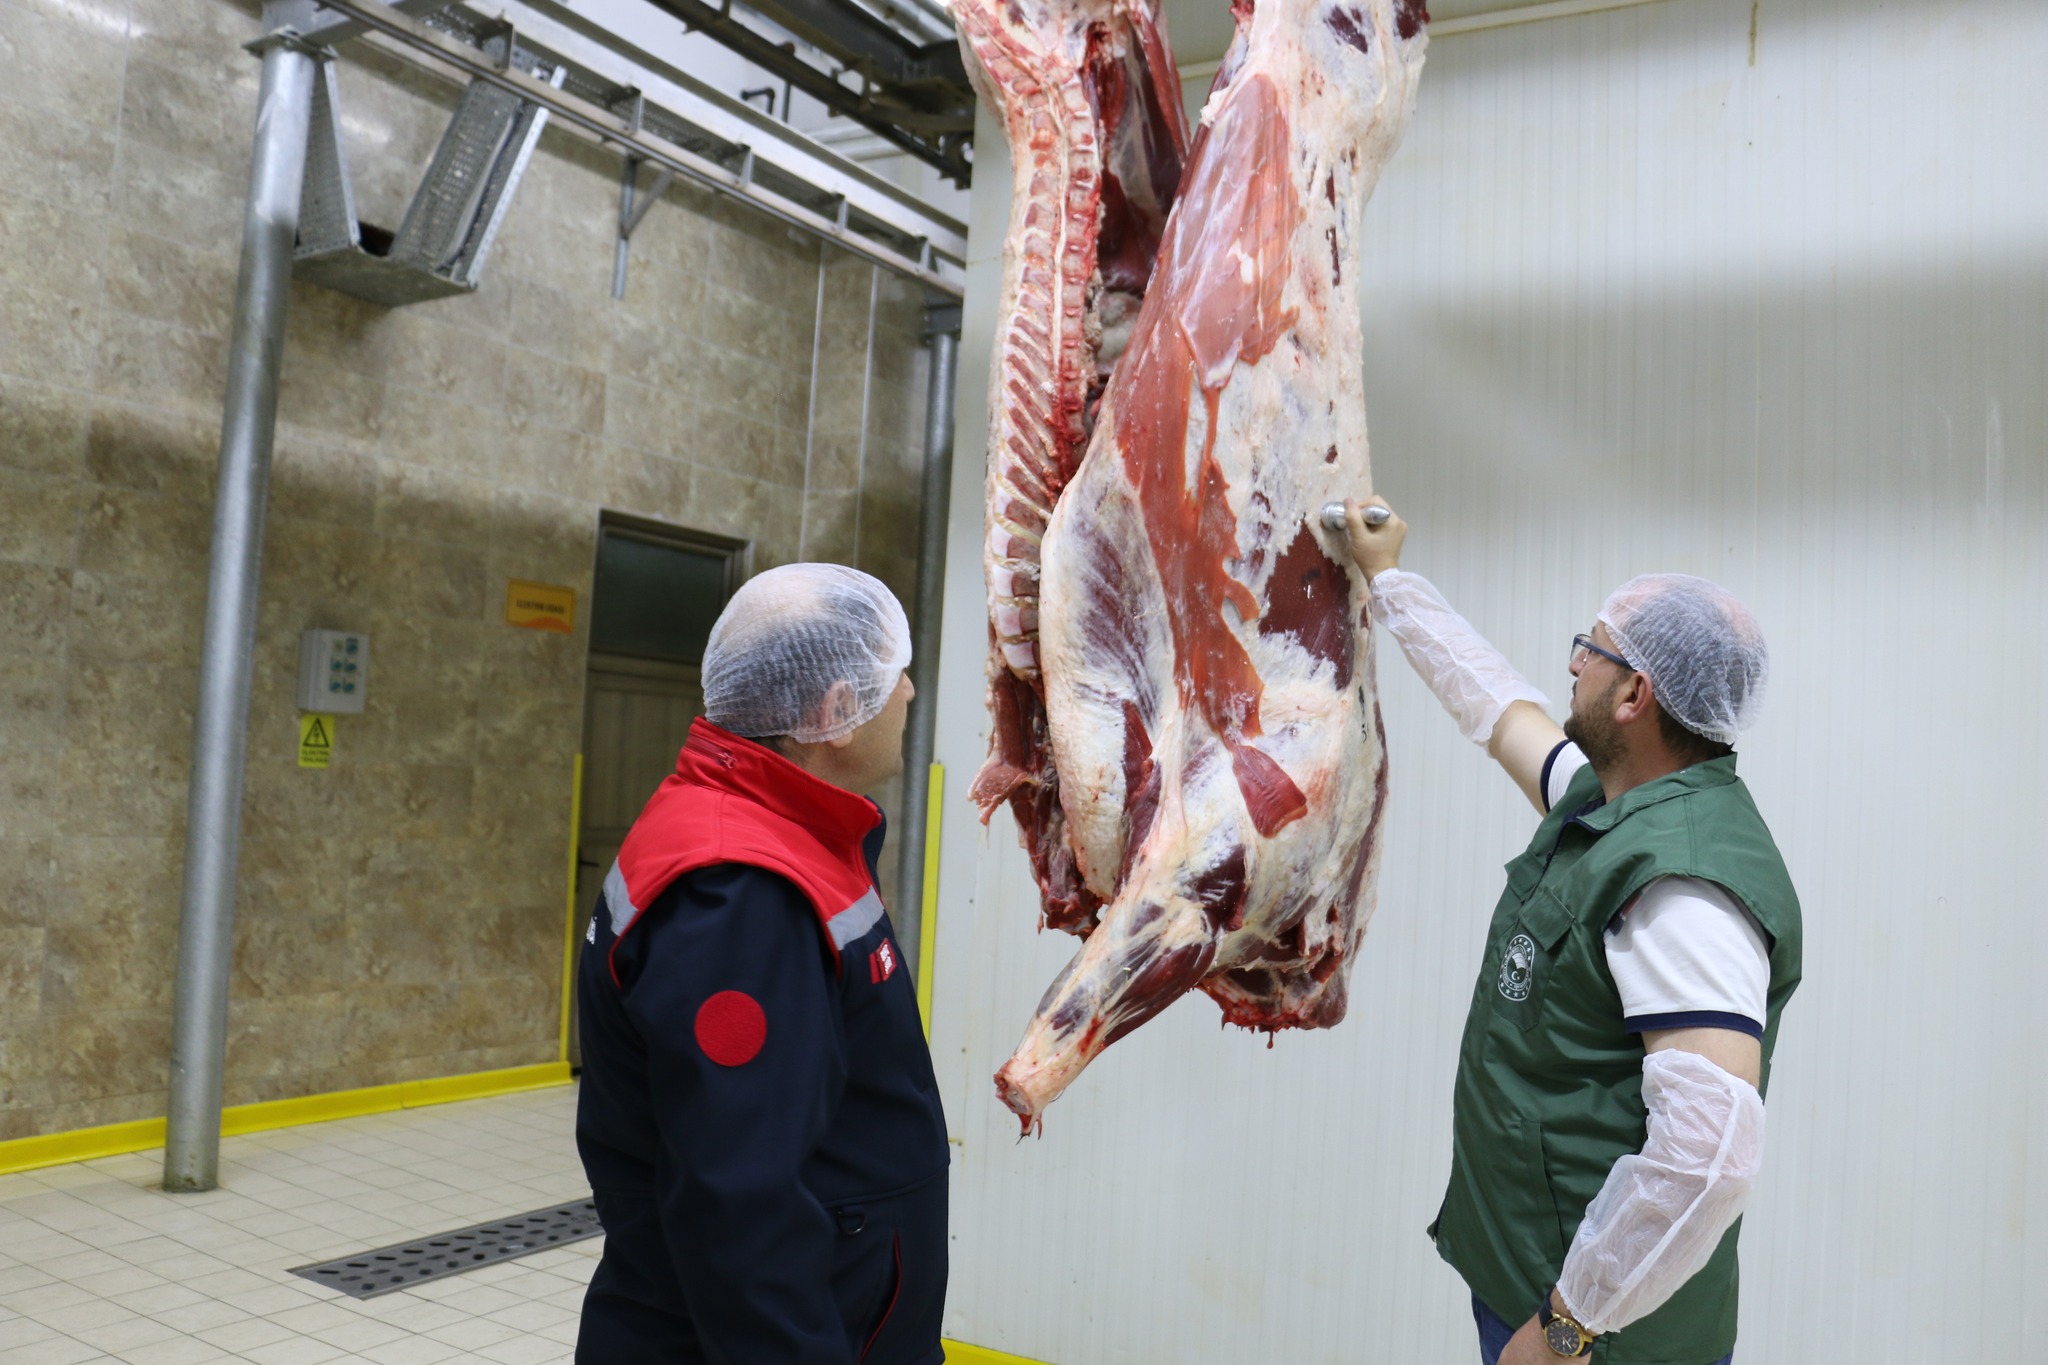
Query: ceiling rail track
{"x": 870, "y": 221}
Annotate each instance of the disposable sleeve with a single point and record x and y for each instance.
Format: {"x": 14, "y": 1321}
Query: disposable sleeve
{"x": 1663, "y": 1211}
{"x": 1472, "y": 679}
{"x": 751, "y": 1245}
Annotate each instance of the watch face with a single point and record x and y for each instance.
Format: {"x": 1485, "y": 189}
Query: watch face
{"x": 1562, "y": 1338}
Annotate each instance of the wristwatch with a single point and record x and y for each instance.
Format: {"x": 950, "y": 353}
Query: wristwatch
{"x": 1562, "y": 1332}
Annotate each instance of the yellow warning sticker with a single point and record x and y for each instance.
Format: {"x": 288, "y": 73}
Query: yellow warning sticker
{"x": 540, "y": 606}
{"x": 316, "y": 741}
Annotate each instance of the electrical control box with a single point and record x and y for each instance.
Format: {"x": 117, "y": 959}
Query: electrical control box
{"x": 334, "y": 668}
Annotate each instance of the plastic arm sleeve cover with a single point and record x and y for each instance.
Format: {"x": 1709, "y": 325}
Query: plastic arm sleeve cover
{"x": 1662, "y": 1213}
{"x": 1470, "y": 677}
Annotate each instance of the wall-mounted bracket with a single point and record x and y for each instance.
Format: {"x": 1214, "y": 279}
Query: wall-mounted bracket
{"x": 439, "y": 249}
{"x": 633, "y": 206}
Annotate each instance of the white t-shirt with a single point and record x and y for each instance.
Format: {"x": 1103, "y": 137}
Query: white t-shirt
{"x": 1684, "y": 953}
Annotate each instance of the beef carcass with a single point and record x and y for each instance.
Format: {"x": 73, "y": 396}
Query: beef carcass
{"x": 1090, "y": 102}
{"x": 1204, "y": 644}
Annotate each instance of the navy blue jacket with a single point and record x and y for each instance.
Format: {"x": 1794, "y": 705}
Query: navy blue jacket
{"x": 789, "y": 1209}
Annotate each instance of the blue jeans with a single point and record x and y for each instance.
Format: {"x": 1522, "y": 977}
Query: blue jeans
{"x": 1494, "y": 1334}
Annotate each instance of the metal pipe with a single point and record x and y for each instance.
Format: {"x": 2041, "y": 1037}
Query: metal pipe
{"x": 867, "y": 391}
{"x": 803, "y": 522}
{"x": 213, "y": 828}
{"x": 942, "y": 327}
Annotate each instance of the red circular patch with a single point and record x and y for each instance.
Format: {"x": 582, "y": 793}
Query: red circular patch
{"x": 731, "y": 1028}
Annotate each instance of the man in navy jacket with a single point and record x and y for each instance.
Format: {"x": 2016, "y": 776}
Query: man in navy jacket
{"x": 758, "y": 1115}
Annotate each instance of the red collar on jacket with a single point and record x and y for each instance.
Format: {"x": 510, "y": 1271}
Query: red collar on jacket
{"x": 731, "y": 800}
{"x": 722, "y": 761}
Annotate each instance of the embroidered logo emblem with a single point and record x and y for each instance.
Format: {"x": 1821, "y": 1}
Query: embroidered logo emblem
{"x": 882, "y": 962}
{"x": 1517, "y": 967}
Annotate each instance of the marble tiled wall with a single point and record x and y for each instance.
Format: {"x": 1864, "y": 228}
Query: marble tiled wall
{"x": 400, "y": 914}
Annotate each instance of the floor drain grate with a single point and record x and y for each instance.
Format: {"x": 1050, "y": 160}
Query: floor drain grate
{"x": 386, "y": 1270}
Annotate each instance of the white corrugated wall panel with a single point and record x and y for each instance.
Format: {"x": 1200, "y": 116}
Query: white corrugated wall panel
{"x": 1644, "y": 293}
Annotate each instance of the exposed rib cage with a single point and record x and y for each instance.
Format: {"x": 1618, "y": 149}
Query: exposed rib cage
{"x": 1090, "y": 103}
{"x": 1044, "y": 65}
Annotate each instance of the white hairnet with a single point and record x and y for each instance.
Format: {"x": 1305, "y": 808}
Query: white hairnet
{"x": 1702, "y": 649}
{"x": 787, "y": 636}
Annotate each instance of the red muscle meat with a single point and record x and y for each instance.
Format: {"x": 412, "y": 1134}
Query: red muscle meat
{"x": 1202, "y": 647}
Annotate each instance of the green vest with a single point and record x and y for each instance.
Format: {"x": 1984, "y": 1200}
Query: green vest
{"x": 1549, "y": 1088}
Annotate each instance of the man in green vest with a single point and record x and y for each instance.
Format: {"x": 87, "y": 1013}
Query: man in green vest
{"x": 1608, "y": 1121}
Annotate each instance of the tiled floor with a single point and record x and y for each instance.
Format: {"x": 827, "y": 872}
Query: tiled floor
{"x": 97, "y": 1264}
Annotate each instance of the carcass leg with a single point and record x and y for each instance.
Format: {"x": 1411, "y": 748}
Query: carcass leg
{"x": 1142, "y": 957}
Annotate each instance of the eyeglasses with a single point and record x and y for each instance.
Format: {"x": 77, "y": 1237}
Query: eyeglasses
{"x": 1582, "y": 645}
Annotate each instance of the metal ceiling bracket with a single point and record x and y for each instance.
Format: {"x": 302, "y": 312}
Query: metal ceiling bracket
{"x": 633, "y": 206}
{"x": 500, "y": 41}
{"x": 439, "y": 249}
{"x": 662, "y": 180}
{"x": 636, "y": 110}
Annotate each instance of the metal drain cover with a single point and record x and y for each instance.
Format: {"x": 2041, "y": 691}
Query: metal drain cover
{"x": 386, "y": 1270}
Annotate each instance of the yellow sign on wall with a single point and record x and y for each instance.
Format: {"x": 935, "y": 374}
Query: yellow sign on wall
{"x": 540, "y": 606}
{"x": 316, "y": 740}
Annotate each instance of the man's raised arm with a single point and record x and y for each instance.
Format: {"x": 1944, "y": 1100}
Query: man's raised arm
{"x": 1493, "y": 704}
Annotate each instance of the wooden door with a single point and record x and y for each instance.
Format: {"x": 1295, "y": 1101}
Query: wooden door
{"x": 636, "y": 714}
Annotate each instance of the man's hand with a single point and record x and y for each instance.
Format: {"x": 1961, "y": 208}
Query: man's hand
{"x": 1526, "y": 1346}
{"x": 1376, "y": 548}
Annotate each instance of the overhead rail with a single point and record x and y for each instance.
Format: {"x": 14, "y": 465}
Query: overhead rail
{"x": 723, "y": 120}
{"x": 926, "y": 19}
{"x": 913, "y": 92}
{"x": 657, "y": 116}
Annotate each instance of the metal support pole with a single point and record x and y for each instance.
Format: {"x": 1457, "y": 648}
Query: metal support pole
{"x": 942, "y": 328}
{"x": 213, "y": 827}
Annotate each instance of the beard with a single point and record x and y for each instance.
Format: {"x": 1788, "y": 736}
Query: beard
{"x": 1594, "y": 730}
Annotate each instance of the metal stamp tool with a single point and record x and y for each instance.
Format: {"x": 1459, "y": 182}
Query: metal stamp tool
{"x": 1333, "y": 516}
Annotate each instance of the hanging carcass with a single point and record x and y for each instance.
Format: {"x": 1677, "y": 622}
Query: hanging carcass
{"x": 1202, "y": 642}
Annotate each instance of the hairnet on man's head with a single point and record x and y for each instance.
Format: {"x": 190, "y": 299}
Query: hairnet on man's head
{"x": 1701, "y": 647}
{"x": 788, "y": 637}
